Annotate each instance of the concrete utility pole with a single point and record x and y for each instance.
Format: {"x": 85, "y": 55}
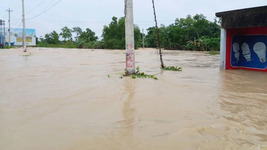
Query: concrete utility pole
{"x": 129, "y": 37}
{"x": 9, "y": 26}
{"x": 24, "y": 32}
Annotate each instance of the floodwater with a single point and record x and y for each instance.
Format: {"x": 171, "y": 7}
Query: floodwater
{"x": 69, "y": 99}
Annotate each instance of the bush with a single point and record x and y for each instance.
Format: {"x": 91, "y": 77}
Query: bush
{"x": 204, "y": 44}
{"x": 92, "y": 44}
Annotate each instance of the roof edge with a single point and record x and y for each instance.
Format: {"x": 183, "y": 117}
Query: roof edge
{"x": 220, "y": 14}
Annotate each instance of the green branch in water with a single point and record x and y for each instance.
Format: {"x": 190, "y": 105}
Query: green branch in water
{"x": 143, "y": 75}
{"x": 213, "y": 52}
{"x": 172, "y": 68}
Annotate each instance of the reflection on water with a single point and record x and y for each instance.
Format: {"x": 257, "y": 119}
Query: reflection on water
{"x": 60, "y": 99}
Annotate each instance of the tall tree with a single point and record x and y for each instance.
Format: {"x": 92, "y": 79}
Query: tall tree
{"x": 78, "y": 32}
{"x": 88, "y": 36}
{"x": 183, "y": 31}
{"x": 52, "y": 38}
{"x": 114, "y": 34}
{"x": 137, "y": 37}
{"x": 66, "y": 33}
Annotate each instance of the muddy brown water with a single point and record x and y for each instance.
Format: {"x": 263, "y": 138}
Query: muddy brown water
{"x": 63, "y": 99}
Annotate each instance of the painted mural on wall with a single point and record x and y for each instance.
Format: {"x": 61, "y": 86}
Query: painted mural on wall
{"x": 249, "y": 51}
{"x": 16, "y": 36}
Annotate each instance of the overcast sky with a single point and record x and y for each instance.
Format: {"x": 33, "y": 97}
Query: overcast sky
{"x": 48, "y": 15}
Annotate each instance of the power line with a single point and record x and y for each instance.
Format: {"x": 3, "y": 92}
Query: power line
{"x": 37, "y": 6}
{"x": 44, "y": 11}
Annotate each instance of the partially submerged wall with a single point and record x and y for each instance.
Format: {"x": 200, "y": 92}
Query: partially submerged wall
{"x": 244, "y": 39}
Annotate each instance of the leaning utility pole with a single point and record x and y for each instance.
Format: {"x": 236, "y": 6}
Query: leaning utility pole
{"x": 129, "y": 37}
{"x": 24, "y": 32}
{"x": 9, "y": 26}
{"x": 157, "y": 30}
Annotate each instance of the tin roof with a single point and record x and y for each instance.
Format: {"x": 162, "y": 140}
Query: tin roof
{"x": 241, "y": 18}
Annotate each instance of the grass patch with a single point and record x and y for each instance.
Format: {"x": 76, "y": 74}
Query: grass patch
{"x": 7, "y": 47}
{"x": 57, "y": 45}
{"x": 213, "y": 52}
{"x": 173, "y": 68}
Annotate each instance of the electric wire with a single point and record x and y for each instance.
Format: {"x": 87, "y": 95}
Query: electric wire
{"x": 44, "y": 11}
{"x": 37, "y": 6}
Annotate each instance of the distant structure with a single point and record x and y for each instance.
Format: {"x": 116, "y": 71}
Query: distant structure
{"x": 16, "y": 37}
{"x": 244, "y": 39}
{"x": 2, "y": 33}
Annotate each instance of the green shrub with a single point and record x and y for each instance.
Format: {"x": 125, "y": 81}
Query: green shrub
{"x": 172, "y": 68}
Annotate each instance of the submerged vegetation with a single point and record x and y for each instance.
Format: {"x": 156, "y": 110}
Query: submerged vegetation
{"x": 143, "y": 75}
{"x": 213, "y": 52}
{"x": 139, "y": 74}
{"x": 173, "y": 68}
{"x": 190, "y": 33}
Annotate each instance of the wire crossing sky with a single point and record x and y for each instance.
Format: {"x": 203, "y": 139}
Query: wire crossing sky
{"x": 44, "y": 11}
{"x": 48, "y": 15}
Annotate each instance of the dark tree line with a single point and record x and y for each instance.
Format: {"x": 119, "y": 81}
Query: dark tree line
{"x": 191, "y": 33}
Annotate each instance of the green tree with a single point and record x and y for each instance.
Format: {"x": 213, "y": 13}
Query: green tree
{"x": 88, "y": 39}
{"x": 52, "y": 38}
{"x": 66, "y": 33}
{"x": 137, "y": 37}
{"x": 88, "y": 36}
{"x": 78, "y": 32}
{"x": 184, "y": 31}
{"x": 151, "y": 38}
{"x": 114, "y": 34}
